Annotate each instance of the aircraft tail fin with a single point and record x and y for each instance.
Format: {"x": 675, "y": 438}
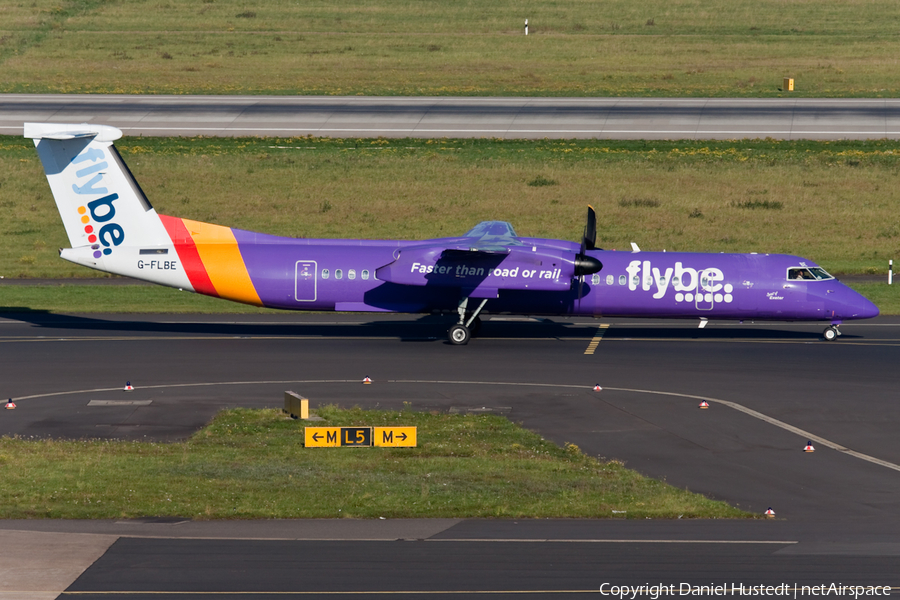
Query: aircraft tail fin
{"x": 113, "y": 228}
{"x": 101, "y": 205}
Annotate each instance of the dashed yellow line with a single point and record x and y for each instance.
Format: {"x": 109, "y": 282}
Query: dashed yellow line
{"x": 596, "y": 339}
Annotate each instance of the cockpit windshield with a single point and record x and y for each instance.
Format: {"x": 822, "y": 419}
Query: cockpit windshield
{"x": 808, "y": 273}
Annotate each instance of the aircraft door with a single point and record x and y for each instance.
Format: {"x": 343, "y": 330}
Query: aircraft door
{"x": 305, "y": 281}
{"x": 703, "y": 299}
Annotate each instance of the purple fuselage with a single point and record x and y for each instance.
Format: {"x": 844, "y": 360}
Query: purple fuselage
{"x": 537, "y": 278}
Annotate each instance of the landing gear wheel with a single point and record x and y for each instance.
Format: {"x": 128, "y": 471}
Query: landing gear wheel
{"x": 459, "y": 335}
{"x": 475, "y": 326}
{"x": 831, "y": 334}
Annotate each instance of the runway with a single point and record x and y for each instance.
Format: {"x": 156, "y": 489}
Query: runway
{"x": 837, "y": 509}
{"x": 463, "y": 117}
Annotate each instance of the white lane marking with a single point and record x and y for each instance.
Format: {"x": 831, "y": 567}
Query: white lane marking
{"x": 760, "y": 133}
{"x": 609, "y": 541}
{"x": 363, "y": 592}
{"x": 885, "y": 342}
{"x": 738, "y": 407}
{"x": 426, "y": 101}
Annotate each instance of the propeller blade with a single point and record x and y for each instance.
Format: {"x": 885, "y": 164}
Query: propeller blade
{"x": 589, "y": 239}
{"x": 584, "y": 264}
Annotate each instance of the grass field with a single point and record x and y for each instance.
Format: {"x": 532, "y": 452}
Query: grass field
{"x": 252, "y": 464}
{"x": 834, "y": 48}
{"x": 837, "y": 203}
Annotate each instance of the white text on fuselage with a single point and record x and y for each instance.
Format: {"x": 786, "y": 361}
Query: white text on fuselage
{"x": 158, "y": 265}
{"x": 684, "y": 280}
{"x": 466, "y": 271}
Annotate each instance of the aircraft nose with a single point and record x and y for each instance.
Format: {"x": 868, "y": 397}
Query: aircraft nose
{"x": 845, "y": 303}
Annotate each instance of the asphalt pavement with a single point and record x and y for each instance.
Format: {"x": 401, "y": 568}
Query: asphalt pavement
{"x": 450, "y": 117}
{"x": 769, "y": 386}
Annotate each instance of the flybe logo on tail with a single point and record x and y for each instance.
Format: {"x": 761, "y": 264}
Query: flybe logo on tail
{"x": 96, "y": 215}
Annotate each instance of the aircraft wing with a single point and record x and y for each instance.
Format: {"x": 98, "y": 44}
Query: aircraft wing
{"x": 490, "y": 269}
{"x": 485, "y": 260}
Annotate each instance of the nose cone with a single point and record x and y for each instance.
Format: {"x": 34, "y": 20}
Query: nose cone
{"x": 843, "y": 303}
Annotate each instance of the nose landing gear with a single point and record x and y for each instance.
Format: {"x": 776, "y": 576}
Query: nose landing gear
{"x": 832, "y": 333}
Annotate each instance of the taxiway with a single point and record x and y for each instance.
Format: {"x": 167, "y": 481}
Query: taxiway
{"x": 769, "y": 386}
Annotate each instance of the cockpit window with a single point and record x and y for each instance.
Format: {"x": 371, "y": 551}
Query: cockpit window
{"x": 820, "y": 273}
{"x": 808, "y": 274}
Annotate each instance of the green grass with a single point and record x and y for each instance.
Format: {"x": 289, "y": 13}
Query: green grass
{"x": 386, "y": 47}
{"x": 838, "y": 203}
{"x": 252, "y": 464}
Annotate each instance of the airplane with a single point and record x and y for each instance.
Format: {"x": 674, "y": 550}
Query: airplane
{"x": 112, "y": 227}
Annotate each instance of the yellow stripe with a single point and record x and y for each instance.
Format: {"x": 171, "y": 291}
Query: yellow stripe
{"x": 223, "y": 262}
{"x": 596, "y": 340}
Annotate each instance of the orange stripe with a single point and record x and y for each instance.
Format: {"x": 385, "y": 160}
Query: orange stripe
{"x": 187, "y": 252}
{"x": 218, "y": 249}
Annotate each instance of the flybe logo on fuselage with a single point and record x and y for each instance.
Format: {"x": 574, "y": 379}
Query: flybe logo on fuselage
{"x": 690, "y": 284}
{"x": 100, "y": 212}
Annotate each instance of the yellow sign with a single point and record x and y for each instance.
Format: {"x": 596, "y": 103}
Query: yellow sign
{"x": 395, "y": 437}
{"x": 323, "y": 437}
{"x": 356, "y": 436}
{"x": 335, "y": 437}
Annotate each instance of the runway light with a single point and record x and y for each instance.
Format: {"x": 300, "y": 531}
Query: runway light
{"x": 128, "y": 387}
{"x": 10, "y": 404}
{"x": 704, "y": 404}
{"x": 597, "y": 388}
{"x": 770, "y": 513}
{"x": 367, "y": 381}
{"x": 809, "y": 447}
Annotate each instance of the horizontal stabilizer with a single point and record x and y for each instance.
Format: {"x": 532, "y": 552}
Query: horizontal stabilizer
{"x": 474, "y": 253}
{"x": 494, "y": 229}
{"x": 62, "y": 131}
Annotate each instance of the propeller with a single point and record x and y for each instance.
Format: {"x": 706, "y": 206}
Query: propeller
{"x": 584, "y": 264}
{"x": 589, "y": 239}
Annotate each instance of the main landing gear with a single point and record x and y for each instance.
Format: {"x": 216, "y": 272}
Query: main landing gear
{"x": 832, "y": 333}
{"x": 469, "y": 323}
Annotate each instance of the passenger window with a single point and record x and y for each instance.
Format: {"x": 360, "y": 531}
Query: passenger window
{"x": 595, "y": 279}
{"x": 338, "y": 274}
{"x": 676, "y": 280}
{"x": 324, "y": 273}
{"x": 636, "y": 280}
{"x": 610, "y": 280}
{"x": 365, "y": 274}
{"x": 351, "y": 274}
{"x": 622, "y": 280}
